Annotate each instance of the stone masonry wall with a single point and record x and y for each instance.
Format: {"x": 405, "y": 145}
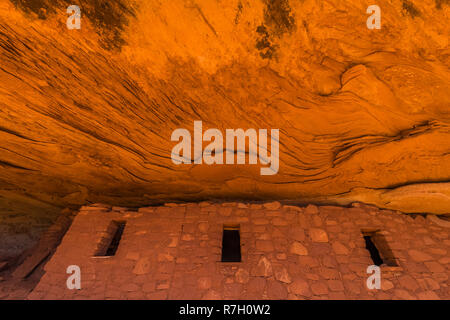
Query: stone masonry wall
{"x": 288, "y": 252}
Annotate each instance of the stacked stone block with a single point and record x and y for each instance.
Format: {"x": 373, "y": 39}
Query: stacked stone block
{"x": 288, "y": 252}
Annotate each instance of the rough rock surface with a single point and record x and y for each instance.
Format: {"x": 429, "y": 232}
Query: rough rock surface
{"x": 86, "y": 115}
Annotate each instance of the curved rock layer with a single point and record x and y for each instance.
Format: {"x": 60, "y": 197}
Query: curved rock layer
{"x": 87, "y": 115}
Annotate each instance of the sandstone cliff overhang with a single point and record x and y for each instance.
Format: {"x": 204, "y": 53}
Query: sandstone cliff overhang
{"x": 86, "y": 116}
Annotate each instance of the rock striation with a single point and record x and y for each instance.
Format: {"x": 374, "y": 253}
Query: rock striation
{"x": 86, "y": 115}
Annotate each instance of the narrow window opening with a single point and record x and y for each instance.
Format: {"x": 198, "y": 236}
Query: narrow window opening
{"x": 110, "y": 243}
{"x": 379, "y": 249}
{"x": 231, "y": 244}
{"x": 374, "y": 253}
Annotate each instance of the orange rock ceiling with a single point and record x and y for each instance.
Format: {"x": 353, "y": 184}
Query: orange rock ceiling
{"x": 87, "y": 115}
